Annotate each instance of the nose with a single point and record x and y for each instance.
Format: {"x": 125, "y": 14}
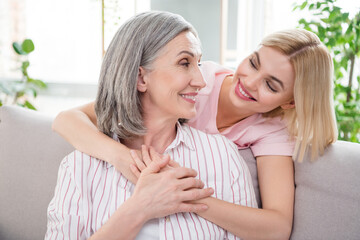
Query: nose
{"x": 252, "y": 81}
{"x": 197, "y": 79}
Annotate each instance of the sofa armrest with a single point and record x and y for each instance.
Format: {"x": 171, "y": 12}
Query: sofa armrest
{"x": 30, "y": 154}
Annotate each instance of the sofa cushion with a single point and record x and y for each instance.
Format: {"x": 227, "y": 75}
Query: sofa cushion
{"x": 30, "y": 154}
{"x": 327, "y": 197}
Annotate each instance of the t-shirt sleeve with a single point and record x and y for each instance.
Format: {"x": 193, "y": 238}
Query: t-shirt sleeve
{"x": 274, "y": 140}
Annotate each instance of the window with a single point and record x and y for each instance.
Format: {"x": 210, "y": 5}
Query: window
{"x": 71, "y": 36}
{"x": 67, "y": 35}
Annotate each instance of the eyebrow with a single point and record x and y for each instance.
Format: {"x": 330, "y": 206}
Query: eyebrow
{"x": 272, "y": 77}
{"x": 186, "y": 52}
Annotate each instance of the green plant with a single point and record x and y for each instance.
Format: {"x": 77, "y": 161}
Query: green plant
{"x": 340, "y": 32}
{"x": 21, "y": 91}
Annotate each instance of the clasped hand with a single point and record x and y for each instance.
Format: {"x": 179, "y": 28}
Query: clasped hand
{"x": 164, "y": 187}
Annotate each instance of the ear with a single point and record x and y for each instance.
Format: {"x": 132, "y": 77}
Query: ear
{"x": 288, "y": 105}
{"x": 141, "y": 81}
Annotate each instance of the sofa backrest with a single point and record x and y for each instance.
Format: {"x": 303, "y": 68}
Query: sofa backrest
{"x": 30, "y": 154}
{"x": 327, "y": 198}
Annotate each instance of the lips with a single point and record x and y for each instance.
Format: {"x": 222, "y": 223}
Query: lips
{"x": 242, "y": 93}
{"x": 189, "y": 97}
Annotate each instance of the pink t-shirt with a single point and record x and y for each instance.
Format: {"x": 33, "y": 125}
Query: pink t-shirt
{"x": 264, "y": 136}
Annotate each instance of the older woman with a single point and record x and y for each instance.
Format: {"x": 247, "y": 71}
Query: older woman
{"x": 148, "y": 84}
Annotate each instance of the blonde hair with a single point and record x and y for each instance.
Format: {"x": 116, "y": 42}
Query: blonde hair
{"x": 312, "y": 122}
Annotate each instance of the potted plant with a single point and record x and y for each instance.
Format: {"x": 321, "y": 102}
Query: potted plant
{"x": 340, "y": 32}
{"x": 21, "y": 92}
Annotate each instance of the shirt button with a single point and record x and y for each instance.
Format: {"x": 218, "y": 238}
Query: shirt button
{"x": 167, "y": 219}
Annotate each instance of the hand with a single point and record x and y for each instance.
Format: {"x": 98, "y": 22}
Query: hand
{"x": 159, "y": 194}
{"x": 146, "y": 159}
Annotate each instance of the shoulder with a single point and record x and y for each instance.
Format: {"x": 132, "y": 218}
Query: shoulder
{"x": 269, "y": 136}
{"x": 257, "y": 127}
{"x": 211, "y": 141}
{"x": 79, "y": 165}
{"x": 214, "y": 72}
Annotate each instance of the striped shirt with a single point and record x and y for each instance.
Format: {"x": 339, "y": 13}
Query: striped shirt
{"x": 89, "y": 190}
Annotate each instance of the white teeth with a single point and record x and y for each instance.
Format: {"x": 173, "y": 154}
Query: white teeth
{"x": 188, "y": 97}
{"x": 242, "y": 92}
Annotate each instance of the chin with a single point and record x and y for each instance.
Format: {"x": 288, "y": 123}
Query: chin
{"x": 188, "y": 115}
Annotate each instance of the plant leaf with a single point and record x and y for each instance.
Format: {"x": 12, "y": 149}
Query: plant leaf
{"x": 37, "y": 83}
{"x": 28, "y": 46}
{"x": 27, "y": 104}
{"x": 18, "y": 49}
{"x": 303, "y": 5}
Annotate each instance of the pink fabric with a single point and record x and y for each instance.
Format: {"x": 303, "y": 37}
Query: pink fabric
{"x": 264, "y": 136}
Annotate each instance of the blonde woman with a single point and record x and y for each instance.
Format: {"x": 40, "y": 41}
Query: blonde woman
{"x": 278, "y": 102}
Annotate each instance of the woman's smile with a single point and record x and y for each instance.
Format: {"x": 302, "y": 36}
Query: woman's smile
{"x": 189, "y": 97}
{"x": 242, "y": 93}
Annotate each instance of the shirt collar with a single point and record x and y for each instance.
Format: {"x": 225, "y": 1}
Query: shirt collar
{"x": 182, "y": 136}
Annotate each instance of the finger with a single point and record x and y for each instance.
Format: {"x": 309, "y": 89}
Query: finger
{"x": 183, "y": 172}
{"x": 174, "y": 164}
{"x": 192, "y": 207}
{"x": 155, "y": 156}
{"x": 140, "y": 164}
{"x": 135, "y": 170}
{"x": 196, "y": 194}
{"x": 155, "y": 167}
{"x": 187, "y": 183}
{"x": 145, "y": 155}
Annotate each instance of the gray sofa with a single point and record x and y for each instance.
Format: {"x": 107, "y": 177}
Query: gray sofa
{"x": 327, "y": 200}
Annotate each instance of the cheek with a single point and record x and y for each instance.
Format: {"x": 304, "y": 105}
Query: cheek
{"x": 272, "y": 100}
{"x": 242, "y": 68}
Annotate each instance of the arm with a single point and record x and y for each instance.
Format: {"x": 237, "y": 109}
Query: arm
{"x": 78, "y": 127}
{"x": 274, "y": 221}
{"x": 68, "y": 216}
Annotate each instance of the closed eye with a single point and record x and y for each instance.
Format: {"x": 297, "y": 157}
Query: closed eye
{"x": 270, "y": 87}
{"x": 252, "y": 63}
{"x": 184, "y": 62}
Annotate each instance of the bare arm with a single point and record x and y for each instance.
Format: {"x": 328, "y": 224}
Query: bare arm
{"x": 78, "y": 127}
{"x": 274, "y": 221}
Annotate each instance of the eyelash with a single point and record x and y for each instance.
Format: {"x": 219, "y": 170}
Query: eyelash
{"x": 251, "y": 60}
{"x": 184, "y": 62}
{"x": 187, "y": 63}
{"x": 269, "y": 86}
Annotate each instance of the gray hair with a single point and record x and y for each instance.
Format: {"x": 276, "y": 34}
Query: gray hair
{"x": 137, "y": 43}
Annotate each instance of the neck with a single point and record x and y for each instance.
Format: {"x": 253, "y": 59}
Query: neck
{"x": 227, "y": 113}
{"x": 159, "y": 134}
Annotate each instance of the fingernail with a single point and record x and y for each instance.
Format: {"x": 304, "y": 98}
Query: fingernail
{"x": 204, "y": 207}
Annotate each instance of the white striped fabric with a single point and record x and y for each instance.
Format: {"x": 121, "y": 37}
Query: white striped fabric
{"x": 89, "y": 191}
